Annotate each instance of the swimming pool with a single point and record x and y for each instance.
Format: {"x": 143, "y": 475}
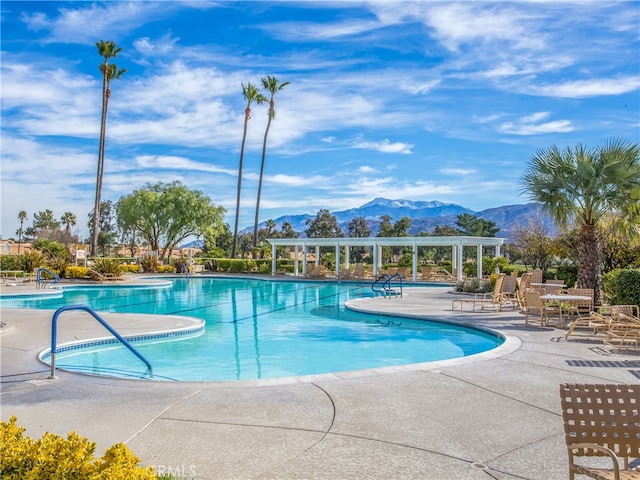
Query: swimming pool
{"x": 257, "y": 329}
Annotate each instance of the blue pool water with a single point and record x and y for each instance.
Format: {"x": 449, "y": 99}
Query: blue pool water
{"x": 260, "y": 329}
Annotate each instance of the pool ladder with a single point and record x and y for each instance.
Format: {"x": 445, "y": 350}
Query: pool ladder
{"x": 40, "y": 282}
{"x": 89, "y": 310}
{"x": 383, "y": 285}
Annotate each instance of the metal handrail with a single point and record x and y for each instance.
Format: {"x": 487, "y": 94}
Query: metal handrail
{"x": 386, "y": 289}
{"x": 55, "y": 276}
{"x": 89, "y": 310}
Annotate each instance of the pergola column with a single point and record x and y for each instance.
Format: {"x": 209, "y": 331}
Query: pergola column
{"x": 414, "y": 265}
{"x": 459, "y": 262}
{"x": 273, "y": 259}
{"x": 479, "y": 261}
{"x": 305, "y": 251}
{"x": 337, "y": 250}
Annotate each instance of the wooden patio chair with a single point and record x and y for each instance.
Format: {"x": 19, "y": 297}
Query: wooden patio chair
{"x": 524, "y": 282}
{"x": 581, "y": 307}
{"x": 602, "y": 421}
{"x": 534, "y": 308}
{"x": 536, "y": 276}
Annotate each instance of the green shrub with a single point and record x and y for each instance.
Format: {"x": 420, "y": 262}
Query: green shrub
{"x": 149, "y": 264}
{"x": 31, "y": 260}
{"x": 622, "y": 287}
{"x": 224, "y": 264}
{"x": 52, "y": 456}
{"x": 107, "y": 265}
{"x": 237, "y": 266}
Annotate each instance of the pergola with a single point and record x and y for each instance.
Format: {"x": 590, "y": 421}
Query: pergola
{"x": 376, "y": 244}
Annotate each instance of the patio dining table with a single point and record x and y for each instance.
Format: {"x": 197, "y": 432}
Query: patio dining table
{"x": 560, "y": 298}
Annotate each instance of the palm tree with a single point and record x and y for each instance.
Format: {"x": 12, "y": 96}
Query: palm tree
{"x": 251, "y": 94}
{"x": 110, "y": 72}
{"x": 272, "y": 86}
{"x": 582, "y": 185}
{"x": 68, "y": 219}
{"x": 22, "y": 216}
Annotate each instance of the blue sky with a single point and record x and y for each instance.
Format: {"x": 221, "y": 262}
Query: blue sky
{"x": 404, "y": 100}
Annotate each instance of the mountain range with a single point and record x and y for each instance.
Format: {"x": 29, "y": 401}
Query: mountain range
{"x": 425, "y": 216}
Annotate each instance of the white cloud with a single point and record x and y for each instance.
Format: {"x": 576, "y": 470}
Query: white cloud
{"x": 385, "y": 146}
{"x": 589, "y": 88}
{"x": 458, "y": 171}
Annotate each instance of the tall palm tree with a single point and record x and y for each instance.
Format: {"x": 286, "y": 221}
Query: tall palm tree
{"x": 22, "y": 216}
{"x": 271, "y": 85}
{"x": 582, "y": 185}
{"x": 107, "y": 50}
{"x": 68, "y": 219}
{"x": 251, "y": 94}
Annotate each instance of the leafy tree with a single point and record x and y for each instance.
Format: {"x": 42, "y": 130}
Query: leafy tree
{"x": 583, "y": 184}
{"x": 473, "y": 226}
{"x": 107, "y": 50}
{"x": 217, "y": 242}
{"x": 251, "y": 94}
{"x": 385, "y": 228}
{"x": 445, "y": 231}
{"x": 617, "y": 249}
{"x": 108, "y": 228}
{"x": 167, "y": 213}
{"x": 22, "y": 216}
{"x": 324, "y": 225}
{"x": 358, "y": 228}
{"x": 532, "y": 244}
{"x": 44, "y": 226}
{"x": 272, "y": 85}
{"x": 401, "y": 227}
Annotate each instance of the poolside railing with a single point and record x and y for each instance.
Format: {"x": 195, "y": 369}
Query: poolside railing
{"x": 90, "y": 311}
{"x": 383, "y": 285}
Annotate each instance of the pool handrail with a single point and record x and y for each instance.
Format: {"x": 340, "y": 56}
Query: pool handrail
{"x": 386, "y": 288}
{"x": 39, "y": 280}
{"x": 90, "y": 311}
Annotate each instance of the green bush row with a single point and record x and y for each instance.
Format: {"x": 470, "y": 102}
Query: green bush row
{"x": 622, "y": 287}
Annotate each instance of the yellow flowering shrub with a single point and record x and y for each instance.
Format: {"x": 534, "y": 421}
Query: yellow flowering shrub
{"x": 76, "y": 272}
{"x": 54, "y": 457}
{"x": 131, "y": 268}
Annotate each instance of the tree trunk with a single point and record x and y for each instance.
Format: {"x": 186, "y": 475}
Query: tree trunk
{"x": 247, "y": 116}
{"x": 589, "y": 261}
{"x": 264, "y": 153}
{"x": 103, "y": 130}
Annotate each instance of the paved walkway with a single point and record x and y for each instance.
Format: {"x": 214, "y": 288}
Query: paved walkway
{"x": 491, "y": 416}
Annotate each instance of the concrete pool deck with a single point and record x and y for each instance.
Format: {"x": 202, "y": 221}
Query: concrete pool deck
{"x": 492, "y": 416}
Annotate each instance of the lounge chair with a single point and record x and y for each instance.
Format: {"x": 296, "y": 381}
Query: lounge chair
{"x": 104, "y": 277}
{"x": 345, "y": 273}
{"x": 358, "y": 271}
{"x": 602, "y": 421}
{"x": 624, "y": 328}
{"x": 317, "y": 272}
